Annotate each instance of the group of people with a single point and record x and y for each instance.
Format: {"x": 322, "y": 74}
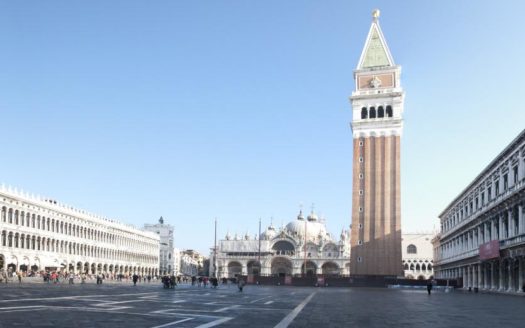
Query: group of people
{"x": 4, "y": 276}
{"x": 169, "y": 282}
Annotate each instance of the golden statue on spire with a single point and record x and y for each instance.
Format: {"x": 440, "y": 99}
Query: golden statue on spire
{"x": 375, "y": 14}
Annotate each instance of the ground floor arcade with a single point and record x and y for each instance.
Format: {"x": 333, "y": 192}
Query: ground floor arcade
{"x": 282, "y": 266}
{"x": 503, "y": 274}
{"x": 10, "y": 262}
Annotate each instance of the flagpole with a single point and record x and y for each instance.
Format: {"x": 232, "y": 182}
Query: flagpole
{"x": 305, "y": 234}
{"x": 259, "y": 256}
{"x": 215, "y": 252}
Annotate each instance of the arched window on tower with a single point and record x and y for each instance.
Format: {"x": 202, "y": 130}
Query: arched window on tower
{"x": 411, "y": 249}
{"x": 372, "y": 112}
{"x": 364, "y": 113}
{"x": 380, "y": 112}
{"x": 389, "y": 111}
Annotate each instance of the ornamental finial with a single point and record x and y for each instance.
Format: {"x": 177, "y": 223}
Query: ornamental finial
{"x": 375, "y": 14}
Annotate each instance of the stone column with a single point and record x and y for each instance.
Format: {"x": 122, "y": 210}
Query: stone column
{"x": 500, "y": 218}
{"x": 500, "y": 284}
{"x": 511, "y": 276}
{"x": 521, "y": 167}
{"x": 475, "y": 276}
{"x": 510, "y": 224}
{"x": 480, "y": 238}
{"x": 493, "y": 229}
{"x": 466, "y": 280}
{"x": 492, "y": 268}
{"x": 480, "y": 276}
{"x": 462, "y": 273}
{"x": 520, "y": 274}
{"x": 520, "y": 219}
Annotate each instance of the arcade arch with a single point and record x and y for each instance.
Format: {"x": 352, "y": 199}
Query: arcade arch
{"x": 234, "y": 269}
{"x": 281, "y": 266}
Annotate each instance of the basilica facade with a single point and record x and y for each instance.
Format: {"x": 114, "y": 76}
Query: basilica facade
{"x": 40, "y": 234}
{"x": 302, "y": 247}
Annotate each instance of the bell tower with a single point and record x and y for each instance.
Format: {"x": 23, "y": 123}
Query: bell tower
{"x": 377, "y": 124}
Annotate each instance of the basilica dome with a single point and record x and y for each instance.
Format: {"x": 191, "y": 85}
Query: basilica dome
{"x": 269, "y": 233}
{"x": 314, "y": 229}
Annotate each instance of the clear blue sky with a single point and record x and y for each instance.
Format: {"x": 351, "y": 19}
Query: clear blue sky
{"x": 239, "y": 109}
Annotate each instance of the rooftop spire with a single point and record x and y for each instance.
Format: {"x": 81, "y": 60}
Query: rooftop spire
{"x": 376, "y": 52}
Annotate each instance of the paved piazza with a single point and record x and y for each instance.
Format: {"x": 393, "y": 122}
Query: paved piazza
{"x": 149, "y": 305}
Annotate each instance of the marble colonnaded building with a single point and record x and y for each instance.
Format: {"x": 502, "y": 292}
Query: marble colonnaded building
{"x": 482, "y": 238}
{"x": 41, "y": 234}
{"x": 283, "y": 251}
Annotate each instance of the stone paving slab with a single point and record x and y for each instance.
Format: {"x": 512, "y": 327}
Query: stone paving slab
{"x": 149, "y": 305}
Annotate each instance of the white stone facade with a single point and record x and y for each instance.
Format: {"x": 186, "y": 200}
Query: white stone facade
{"x": 287, "y": 251}
{"x": 176, "y": 261}
{"x": 166, "y": 251}
{"x": 487, "y": 214}
{"x": 417, "y": 253}
{"x": 188, "y": 265}
{"x": 40, "y": 234}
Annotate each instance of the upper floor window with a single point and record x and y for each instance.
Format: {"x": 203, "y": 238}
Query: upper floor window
{"x": 515, "y": 173}
{"x": 411, "y": 249}
{"x": 505, "y": 181}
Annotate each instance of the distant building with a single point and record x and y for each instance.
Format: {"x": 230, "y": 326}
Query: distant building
{"x": 188, "y": 265}
{"x": 166, "y": 255}
{"x": 418, "y": 262}
{"x": 303, "y": 246}
{"x": 177, "y": 261}
{"x": 377, "y": 125}
{"x": 197, "y": 258}
{"x": 482, "y": 237}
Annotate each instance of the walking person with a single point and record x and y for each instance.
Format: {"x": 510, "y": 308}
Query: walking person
{"x": 135, "y": 279}
{"x": 241, "y": 284}
{"x": 429, "y": 286}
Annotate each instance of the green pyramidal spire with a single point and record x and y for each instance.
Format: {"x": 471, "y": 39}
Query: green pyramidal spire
{"x": 375, "y": 53}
